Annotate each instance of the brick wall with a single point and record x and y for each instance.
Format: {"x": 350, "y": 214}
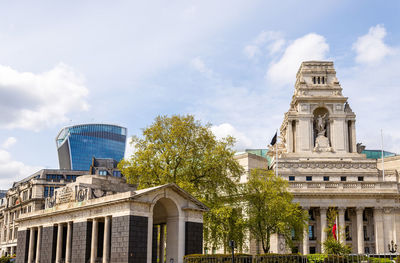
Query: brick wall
{"x": 193, "y": 238}
{"x": 22, "y": 246}
{"x": 129, "y": 239}
{"x": 49, "y": 243}
{"x": 81, "y": 241}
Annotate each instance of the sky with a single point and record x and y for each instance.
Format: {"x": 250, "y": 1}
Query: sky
{"x": 230, "y": 63}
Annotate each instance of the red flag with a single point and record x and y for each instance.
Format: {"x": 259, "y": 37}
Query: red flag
{"x": 334, "y": 231}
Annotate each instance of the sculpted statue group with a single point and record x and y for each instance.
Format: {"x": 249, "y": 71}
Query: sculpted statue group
{"x": 321, "y": 141}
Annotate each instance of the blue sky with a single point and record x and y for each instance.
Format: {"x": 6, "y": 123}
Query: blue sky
{"x": 230, "y": 63}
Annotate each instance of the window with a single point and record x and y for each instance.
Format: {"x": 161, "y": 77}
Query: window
{"x": 311, "y": 215}
{"x": 308, "y": 178}
{"x": 71, "y": 178}
{"x": 366, "y": 238}
{"x": 291, "y": 178}
{"x": 117, "y": 173}
{"x": 46, "y": 191}
{"x": 361, "y": 178}
{"x": 312, "y": 250}
{"x": 54, "y": 177}
{"x": 102, "y": 172}
{"x": 366, "y": 250}
{"x": 343, "y": 178}
{"x": 311, "y": 234}
{"x": 326, "y": 178}
{"x": 348, "y": 233}
{"x": 313, "y": 80}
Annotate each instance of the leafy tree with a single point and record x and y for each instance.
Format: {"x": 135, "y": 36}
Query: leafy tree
{"x": 180, "y": 150}
{"x": 270, "y": 209}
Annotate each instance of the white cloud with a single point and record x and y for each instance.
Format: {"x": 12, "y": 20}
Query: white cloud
{"x": 199, "y": 65}
{"x": 12, "y": 170}
{"x": 35, "y": 101}
{"x": 272, "y": 41}
{"x": 10, "y": 141}
{"x": 370, "y": 48}
{"x": 225, "y": 129}
{"x": 309, "y": 47}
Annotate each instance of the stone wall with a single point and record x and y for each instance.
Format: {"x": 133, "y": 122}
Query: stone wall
{"x": 49, "y": 243}
{"x": 129, "y": 239}
{"x": 22, "y": 246}
{"x": 81, "y": 241}
{"x": 193, "y": 238}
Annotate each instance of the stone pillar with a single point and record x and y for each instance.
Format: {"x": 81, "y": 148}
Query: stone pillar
{"x": 360, "y": 230}
{"x": 289, "y": 136}
{"x": 162, "y": 242}
{"x": 59, "y": 243}
{"x": 322, "y": 211}
{"x": 93, "y": 249}
{"x": 68, "y": 249}
{"x": 38, "y": 242}
{"x": 387, "y": 227}
{"x": 106, "y": 243}
{"x": 353, "y": 136}
{"x": 342, "y": 225}
{"x": 306, "y": 245}
{"x": 31, "y": 245}
{"x": 378, "y": 228}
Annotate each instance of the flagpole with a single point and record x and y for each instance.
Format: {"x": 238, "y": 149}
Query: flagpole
{"x": 276, "y": 153}
{"x": 383, "y": 163}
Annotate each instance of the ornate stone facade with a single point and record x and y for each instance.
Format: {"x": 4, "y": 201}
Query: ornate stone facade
{"x": 112, "y": 222}
{"x": 317, "y": 154}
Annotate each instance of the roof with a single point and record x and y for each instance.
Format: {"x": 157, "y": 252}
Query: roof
{"x": 182, "y": 192}
{"x": 377, "y": 154}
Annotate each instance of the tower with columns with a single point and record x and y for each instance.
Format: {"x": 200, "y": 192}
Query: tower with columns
{"x": 318, "y": 155}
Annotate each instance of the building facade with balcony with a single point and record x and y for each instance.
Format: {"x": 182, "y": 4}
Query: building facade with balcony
{"x": 318, "y": 155}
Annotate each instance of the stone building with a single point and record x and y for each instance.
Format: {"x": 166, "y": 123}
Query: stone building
{"x": 317, "y": 154}
{"x": 102, "y": 219}
{"x": 29, "y": 195}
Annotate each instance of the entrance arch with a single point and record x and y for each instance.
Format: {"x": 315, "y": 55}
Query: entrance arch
{"x": 165, "y": 231}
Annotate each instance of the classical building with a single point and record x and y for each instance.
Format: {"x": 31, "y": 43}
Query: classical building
{"x": 317, "y": 154}
{"x": 78, "y": 144}
{"x": 103, "y": 219}
{"x": 29, "y": 195}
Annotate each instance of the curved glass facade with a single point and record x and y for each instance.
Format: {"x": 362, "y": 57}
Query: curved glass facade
{"x": 78, "y": 144}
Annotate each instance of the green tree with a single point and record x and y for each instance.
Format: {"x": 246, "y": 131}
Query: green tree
{"x": 270, "y": 209}
{"x": 180, "y": 150}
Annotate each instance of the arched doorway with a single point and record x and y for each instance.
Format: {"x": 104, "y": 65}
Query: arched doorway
{"x": 165, "y": 236}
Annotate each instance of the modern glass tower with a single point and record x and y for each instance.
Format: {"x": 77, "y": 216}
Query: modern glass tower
{"x": 76, "y": 145}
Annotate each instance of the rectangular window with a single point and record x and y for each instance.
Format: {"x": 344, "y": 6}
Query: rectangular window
{"x": 102, "y": 172}
{"x": 291, "y": 178}
{"x": 326, "y": 178}
{"x": 46, "y": 191}
{"x": 366, "y": 238}
{"x": 51, "y": 191}
{"x": 308, "y": 178}
{"x": 361, "y": 178}
{"x": 311, "y": 235}
{"x": 312, "y": 250}
{"x": 118, "y": 174}
{"x": 343, "y": 178}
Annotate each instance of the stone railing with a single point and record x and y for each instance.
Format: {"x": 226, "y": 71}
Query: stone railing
{"x": 298, "y": 186}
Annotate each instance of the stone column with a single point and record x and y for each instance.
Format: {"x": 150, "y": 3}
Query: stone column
{"x": 387, "y": 227}
{"x": 342, "y": 225}
{"x": 360, "y": 230}
{"x": 69, "y": 243}
{"x": 93, "y": 250}
{"x": 378, "y": 228}
{"x": 106, "y": 243}
{"x": 31, "y": 245}
{"x": 59, "y": 243}
{"x": 353, "y": 136}
{"x": 306, "y": 246}
{"x": 322, "y": 211}
{"x": 162, "y": 242}
{"x": 289, "y": 136}
{"x": 38, "y": 242}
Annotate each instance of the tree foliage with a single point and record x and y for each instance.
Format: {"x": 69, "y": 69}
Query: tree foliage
{"x": 270, "y": 209}
{"x": 180, "y": 150}
{"x": 331, "y": 245}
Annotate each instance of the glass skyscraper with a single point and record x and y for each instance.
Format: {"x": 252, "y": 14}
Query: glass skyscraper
{"x": 78, "y": 144}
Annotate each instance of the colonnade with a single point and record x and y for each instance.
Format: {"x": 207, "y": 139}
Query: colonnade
{"x": 384, "y": 229}
{"x": 35, "y": 246}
